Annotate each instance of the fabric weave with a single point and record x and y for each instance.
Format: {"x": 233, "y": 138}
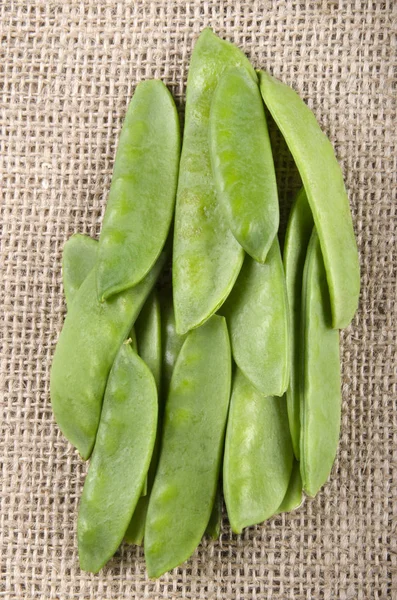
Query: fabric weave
{"x": 67, "y": 71}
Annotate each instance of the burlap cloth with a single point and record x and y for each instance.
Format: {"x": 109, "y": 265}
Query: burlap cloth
{"x": 68, "y": 70}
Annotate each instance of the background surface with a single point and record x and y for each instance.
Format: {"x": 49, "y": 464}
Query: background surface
{"x": 67, "y": 72}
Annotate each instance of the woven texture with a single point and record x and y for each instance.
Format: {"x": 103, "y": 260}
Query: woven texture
{"x": 67, "y": 71}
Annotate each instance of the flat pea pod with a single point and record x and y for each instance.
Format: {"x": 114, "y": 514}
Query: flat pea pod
{"x": 206, "y": 258}
{"x": 142, "y": 194}
{"x": 321, "y": 385}
{"x": 172, "y": 341}
{"x": 258, "y": 455}
{"x": 214, "y": 524}
{"x": 323, "y": 182}
{"x": 242, "y": 162}
{"x": 87, "y": 346}
{"x": 192, "y": 443}
{"x": 299, "y": 230}
{"x": 257, "y": 315}
{"x": 78, "y": 259}
{"x": 120, "y": 459}
{"x": 293, "y": 497}
{"x": 148, "y": 329}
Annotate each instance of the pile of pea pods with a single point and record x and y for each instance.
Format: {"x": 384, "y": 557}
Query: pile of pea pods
{"x": 230, "y": 378}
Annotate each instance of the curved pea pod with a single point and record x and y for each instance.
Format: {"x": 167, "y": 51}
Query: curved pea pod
{"x": 78, "y": 259}
{"x": 258, "y": 319}
{"x": 89, "y": 341}
{"x": 142, "y": 194}
{"x": 120, "y": 460}
{"x": 207, "y": 258}
{"x": 148, "y": 330}
{"x": 294, "y": 496}
{"x": 321, "y": 394}
{"x": 323, "y": 182}
{"x": 299, "y": 230}
{"x": 258, "y": 455}
{"x": 192, "y": 443}
{"x": 214, "y": 524}
{"x": 242, "y": 162}
{"x": 172, "y": 341}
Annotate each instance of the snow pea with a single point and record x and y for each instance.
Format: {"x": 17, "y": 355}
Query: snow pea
{"x": 323, "y": 182}
{"x": 320, "y": 388}
{"x": 242, "y": 162}
{"x": 148, "y": 329}
{"x": 78, "y": 259}
{"x": 214, "y": 524}
{"x": 293, "y": 497}
{"x": 258, "y": 455}
{"x": 299, "y": 230}
{"x": 172, "y": 341}
{"x": 192, "y": 442}
{"x": 207, "y": 258}
{"x": 120, "y": 459}
{"x": 142, "y": 194}
{"x": 87, "y": 346}
{"x": 258, "y": 319}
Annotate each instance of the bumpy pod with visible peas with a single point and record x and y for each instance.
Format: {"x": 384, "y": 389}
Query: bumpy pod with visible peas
{"x": 120, "y": 460}
{"x": 207, "y": 258}
{"x": 90, "y": 339}
{"x": 192, "y": 442}
{"x": 299, "y": 230}
{"x": 242, "y": 162}
{"x": 258, "y": 455}
{"x": 258, "y": 319}
{"x": 320, "y": 388}
{"x": 323, "y": 182}
{"x": 142, "y": 194}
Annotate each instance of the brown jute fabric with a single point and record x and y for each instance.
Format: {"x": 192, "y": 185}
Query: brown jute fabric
{"x": 68, "y": 69}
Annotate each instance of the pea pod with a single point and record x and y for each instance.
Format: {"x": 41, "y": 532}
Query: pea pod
{"x": 207, "y": 258}
{"x": 78, "y": 259}
{"x": 192, "y": 442}
{"x": 148, "y": 328}
{"x": 120, "y": 460}
{"x": 258, "y": 320}
{"x": 299, "y": 229}
{"x": 321, "y": 395}
{"x": 242, "y": 162}
{"x": 258, "y": 455}
{"x": 323, "y": 182}
{"x": 293, "y": 497}
{"x": 142, "y": 194}
{"x": 90, "y": 339}
{"x": 172, "y": 341}
{"x": 214, "y": 524}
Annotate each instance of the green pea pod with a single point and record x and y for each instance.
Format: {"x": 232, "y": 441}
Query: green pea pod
{"x": 142, "y": 194}
{"x": 78, "y": 259}
{"x": 148, "y": 328}
{"x": 258, "y": 455}
{"x": 258, "y": 319}
{"x": 214, "y": 524}
{"x": 172, "y": 341}
{"x": 120, "y": 460}
{"x": 192, "y": 443}
{"x": 90, "y": 339}
{"x": 242, "y": 162}
{"x": 321, "y": 393}
{"x": 299, "y": 230}
{"x": 207, "y": 258}
{"x": 323, "y": 182}
{"x": 293, "y": 497}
